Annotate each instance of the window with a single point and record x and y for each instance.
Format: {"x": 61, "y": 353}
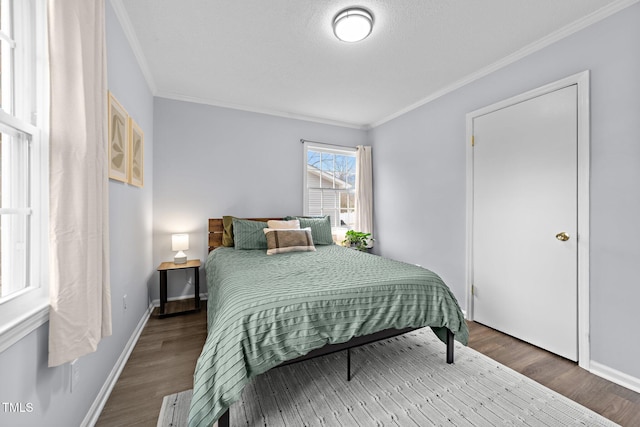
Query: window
{"x": 329, "y": 184}
{"x": 15, "y": 211}
{"x": 23, "y": 167}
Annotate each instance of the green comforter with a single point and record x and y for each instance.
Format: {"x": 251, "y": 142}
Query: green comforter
{"x": 264, "y": 310}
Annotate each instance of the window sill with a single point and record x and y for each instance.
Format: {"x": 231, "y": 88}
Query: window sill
{"x": 15, "y": 325}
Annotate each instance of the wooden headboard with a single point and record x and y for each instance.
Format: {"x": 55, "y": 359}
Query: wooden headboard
{"x": 216, "y": 229}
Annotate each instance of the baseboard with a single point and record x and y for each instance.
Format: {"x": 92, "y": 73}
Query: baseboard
{"x": 615, "y": 376}
{"x": 98, "y": 404}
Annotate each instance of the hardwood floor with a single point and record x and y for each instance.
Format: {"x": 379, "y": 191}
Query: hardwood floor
{"x": 610, "y": 400}
{"x": 162, "y": 363}
{"x": 164, "y": 359}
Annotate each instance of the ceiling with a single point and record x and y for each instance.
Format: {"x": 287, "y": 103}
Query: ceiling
{"x": 280, "y": 56}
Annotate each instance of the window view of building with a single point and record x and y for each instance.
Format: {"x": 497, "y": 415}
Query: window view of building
{"x": 330, "y": 185}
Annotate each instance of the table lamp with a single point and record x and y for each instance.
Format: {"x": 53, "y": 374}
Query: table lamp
{"x": 180, "y": 242}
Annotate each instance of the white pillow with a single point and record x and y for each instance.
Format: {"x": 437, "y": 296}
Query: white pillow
{"x": 273, "y": 224}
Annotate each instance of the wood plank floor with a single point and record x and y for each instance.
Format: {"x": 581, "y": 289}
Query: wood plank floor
{"x": 164, "y": 359}
{"x": 610, "y": 400}
{"x": 161, "y": 363}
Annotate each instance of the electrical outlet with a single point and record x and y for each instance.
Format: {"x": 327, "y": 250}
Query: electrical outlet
{"x": 124, "y": 302}
{"x": 75, "y": 375}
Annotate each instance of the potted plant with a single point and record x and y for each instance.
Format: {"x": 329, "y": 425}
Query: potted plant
{"x": 357, "y": 240}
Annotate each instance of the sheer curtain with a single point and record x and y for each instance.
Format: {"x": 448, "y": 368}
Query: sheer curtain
{"x": 80, "y": 314}
{"x": 364, "y": 190}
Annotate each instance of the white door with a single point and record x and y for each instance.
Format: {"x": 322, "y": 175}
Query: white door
{"x": 525, "y": 221}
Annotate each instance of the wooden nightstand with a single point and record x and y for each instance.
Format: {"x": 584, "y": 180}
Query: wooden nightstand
{"x": 163, "y": 269}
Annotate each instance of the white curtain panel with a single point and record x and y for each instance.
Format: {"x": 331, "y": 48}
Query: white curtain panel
{"x": 80, "y": 312}
{"x": 364, "y": 190}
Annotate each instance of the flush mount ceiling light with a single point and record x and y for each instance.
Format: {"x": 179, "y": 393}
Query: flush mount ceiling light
{"x": 353, "y": 24}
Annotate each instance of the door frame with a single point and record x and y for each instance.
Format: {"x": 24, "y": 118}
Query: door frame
{"x": 581, "y": 80}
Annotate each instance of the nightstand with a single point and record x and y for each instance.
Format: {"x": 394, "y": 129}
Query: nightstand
{"x": 170, "y": 266}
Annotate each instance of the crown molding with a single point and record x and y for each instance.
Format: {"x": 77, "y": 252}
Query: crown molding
{"x": 540, "y": 44}
{"x": 267, "y": 111}
{"x": 130, "y": 34}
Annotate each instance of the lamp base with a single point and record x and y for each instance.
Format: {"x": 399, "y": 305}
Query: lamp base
{"x": 180, "y": 258}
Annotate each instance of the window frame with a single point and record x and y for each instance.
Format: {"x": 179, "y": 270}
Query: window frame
{"x": 25, "y": 310}
{"x": 328, "y": 148}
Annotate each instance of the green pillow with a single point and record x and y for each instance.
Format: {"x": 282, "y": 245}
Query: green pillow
{"x": 320, "y": 228}
{"x": 248, "y": 234}
{"x": 227, "y": 231}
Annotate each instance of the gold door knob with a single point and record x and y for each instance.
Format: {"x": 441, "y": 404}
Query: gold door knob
{"x": 563, "y": 237}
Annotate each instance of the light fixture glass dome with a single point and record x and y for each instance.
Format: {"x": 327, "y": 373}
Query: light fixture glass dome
{"x": 353, "y": 24}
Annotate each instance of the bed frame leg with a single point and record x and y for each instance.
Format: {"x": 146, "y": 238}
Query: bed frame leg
{"x": 223, "y": 421}
{"x": 449, "y": 346}
{"x": 348, "y": 364}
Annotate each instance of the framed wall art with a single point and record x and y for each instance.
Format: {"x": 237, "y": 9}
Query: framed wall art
{"x": 118, "y": 140}
{"x": 136, "y": 154}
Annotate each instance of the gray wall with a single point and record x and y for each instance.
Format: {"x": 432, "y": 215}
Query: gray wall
{"x": 211, "y": 161}
{"x": 419, "y": 174}
{"x": 24, "y": 375}
{"x": 130, "y": 207}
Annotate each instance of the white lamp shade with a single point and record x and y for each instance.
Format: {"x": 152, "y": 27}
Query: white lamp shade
{"x": 179, "y": 242}
{"x": 353, "y": 25}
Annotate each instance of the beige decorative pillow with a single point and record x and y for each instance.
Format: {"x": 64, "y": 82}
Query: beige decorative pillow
{"x": 282, "y": 241}
{"x": 275, "y": 224}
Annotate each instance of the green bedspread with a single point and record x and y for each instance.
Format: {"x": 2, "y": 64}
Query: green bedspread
{"x": 264, "y": 310}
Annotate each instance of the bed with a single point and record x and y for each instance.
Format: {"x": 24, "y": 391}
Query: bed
{"x": 265, "y": 311}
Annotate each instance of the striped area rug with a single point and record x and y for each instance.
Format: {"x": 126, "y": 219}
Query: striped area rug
{"x": 403, "y": 381}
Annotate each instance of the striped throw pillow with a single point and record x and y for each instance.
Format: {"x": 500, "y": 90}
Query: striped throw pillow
{"x": 283, "y": 241}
